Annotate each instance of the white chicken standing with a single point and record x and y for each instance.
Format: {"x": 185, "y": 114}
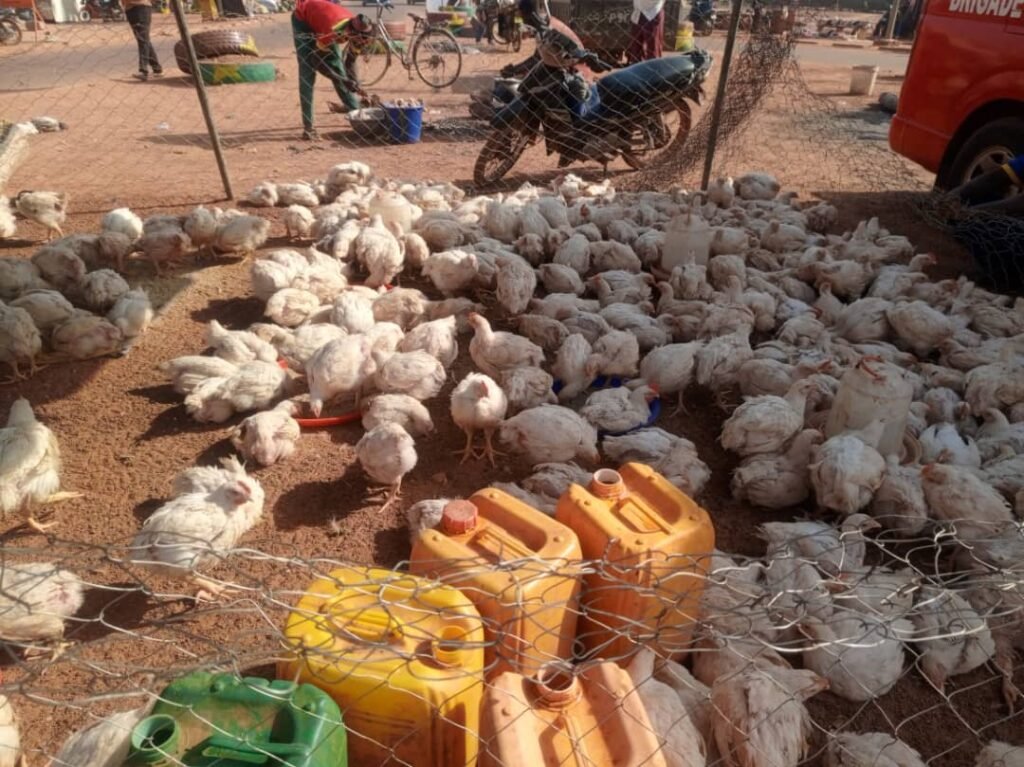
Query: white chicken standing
{"x": 387, "y": 453}
{"x": 340, "y": 367}
{"x": 380, "y": 253}
{"x": 478, "y": 403}
{"x": 197, "y": 528}
{"x": 46, "y": 208}
{"x": 132, "y": 313}
{"x": 29, "y": 465}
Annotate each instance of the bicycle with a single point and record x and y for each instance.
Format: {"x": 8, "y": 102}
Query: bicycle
{"x": 432, "y": 50}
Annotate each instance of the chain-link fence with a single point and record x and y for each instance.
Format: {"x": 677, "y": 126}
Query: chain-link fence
{"x": 421, "y": 673}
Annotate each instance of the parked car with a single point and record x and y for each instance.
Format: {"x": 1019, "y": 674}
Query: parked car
{"x": 961, "y": 109}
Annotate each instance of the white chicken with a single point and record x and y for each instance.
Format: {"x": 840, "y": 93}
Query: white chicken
{"x": 291, "y": 307}
{"x": 185, "y": 373}
{"x": 132, "y": 313}
{"x": 298, "y": 222}
{"x": 20, "y": 340}
{"x": 778, "y": 480}
{"x": 338, "y": 368}
{"x": 760, "y": 719}
{"x": 670, "y": 368}
{"x": 29, "y": 464}
{"x": 899, "y": 503}
{"x": 85, "y": 336}
{"x": 550, "y": 433}
{"x": 104, "y": 743}
{"x": 46, "y": 208}
{"x": 570, "y": 366}
{"x": 387, "y": 453}
{"x": 878, "y": 749}
{"x": 47, "y": 308}
{"x": 765, "y": 424}
{"x": 267, "y": 437}
{"x": 424, "y": 515}
{"x": 957, "y": 496}
{"x": 952, "y": 637}
{"x": 10, "y": 736}
{"x": 353, "y": 312}
{"x": 999, "y": 754}
{"x": 846, "y": 470}
{"x": 618, "y": 410}
{"x": 238, "y": 346}
{"x": 919, "y": 326}
{"x": 515, "y": 284}
{"x": 407, "y": 412}
{"x": 252, "y": 386}
{"x": 438, "y": 338}
{"x": 196, "y": 529}
{"x": 942, "y": 443}
{"x": 417, "y": 374}
{"x": 478, "y": 403}
{"x": 682, "y": 744}
{"x": 380, "y": 253}
{"x": 8, "y": 226}
{"x": 451, "y": 271}
{"x": 495, "y": 352}
{"x": 36, "y": 598}
{"x": 241, "y": 234}
{"x": 527, "y": 387}
{"x": 616, "y": 353}
{"x": 861, "y": 656}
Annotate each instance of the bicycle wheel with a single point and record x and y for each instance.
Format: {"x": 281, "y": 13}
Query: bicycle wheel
{"x": 367, "y": 62}
{"x": 437, "y": 57}
{"x": 10, "y": 32}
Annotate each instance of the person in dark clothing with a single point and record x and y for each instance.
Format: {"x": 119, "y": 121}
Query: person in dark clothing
{"x": 140, "y": 15}
{"x": 318, "y": 26}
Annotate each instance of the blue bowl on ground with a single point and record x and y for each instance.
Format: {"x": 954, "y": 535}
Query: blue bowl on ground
{"x": 405, "y": 124}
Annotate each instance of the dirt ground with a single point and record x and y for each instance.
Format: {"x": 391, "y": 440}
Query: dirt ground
{"x": 124, "y": 434}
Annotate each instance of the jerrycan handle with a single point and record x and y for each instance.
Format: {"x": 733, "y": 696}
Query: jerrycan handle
{"x": 371, "y": 624}
{"x": 223, "y": 747}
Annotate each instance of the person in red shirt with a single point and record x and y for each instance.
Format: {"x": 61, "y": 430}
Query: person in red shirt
{"x": 318, "y": 26}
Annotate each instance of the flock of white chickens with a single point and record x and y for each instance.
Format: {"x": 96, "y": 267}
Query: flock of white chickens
{"x": 779, "y": 313}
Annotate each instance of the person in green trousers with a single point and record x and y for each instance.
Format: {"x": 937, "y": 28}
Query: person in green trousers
{"x": 318, "y": 27}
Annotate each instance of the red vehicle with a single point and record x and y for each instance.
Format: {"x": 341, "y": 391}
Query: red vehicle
{"x": 961, "y": 109}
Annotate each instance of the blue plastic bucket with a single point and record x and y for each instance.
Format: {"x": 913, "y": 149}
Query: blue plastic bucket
{"x": 405, "y": 123}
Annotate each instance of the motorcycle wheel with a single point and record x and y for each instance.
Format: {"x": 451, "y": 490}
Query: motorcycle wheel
{"x": 501, "y": 151}
{"x": 10, "y": 32}
{"x": 671, "y": 134}
{"x": 84, "y": 15}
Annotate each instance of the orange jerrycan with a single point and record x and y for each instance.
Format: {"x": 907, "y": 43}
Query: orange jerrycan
{"x": 518, "y": 566}
{"x": 403, "y": 658}
{"x": 651, "y": 544}
{"x": 564, "y": 717}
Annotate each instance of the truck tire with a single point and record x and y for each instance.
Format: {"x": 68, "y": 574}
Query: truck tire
{"x": 217, "y": 42}
{"x": 991, "y": 145}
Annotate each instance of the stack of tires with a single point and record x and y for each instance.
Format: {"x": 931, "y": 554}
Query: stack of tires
{"x": 213, "y": 48}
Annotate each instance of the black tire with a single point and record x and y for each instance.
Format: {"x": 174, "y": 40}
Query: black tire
{"x": 437, "y": 53}
{"x": 84, "y": 15}
{"x": 364, "y": 66}
{"x": 999, "y": 137}
{"x": 10, "y": 32}
{"x": 208, "y": 45}
{"x": 500, "y": 152}
{"x": 665, "y": 145}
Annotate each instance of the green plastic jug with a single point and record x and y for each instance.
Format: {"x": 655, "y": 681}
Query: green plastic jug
{"x": 205, "y": 719}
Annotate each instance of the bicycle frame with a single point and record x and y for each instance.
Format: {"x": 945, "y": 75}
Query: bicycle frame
{"x": 380, "y": 32}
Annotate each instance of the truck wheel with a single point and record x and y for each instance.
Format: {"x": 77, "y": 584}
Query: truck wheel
{"x": 986, "y": 149}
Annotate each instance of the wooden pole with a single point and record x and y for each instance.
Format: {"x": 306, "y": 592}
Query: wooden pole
{"x": 204, "y": 103}
{"x": 719, "y": 105}
{"x": 890, "y": 28}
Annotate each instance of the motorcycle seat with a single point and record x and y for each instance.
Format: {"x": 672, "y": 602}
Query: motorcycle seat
{"x": 639, "y": 83}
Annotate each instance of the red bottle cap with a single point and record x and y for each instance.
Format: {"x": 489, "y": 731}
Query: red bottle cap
{"x": 458, "y": 517}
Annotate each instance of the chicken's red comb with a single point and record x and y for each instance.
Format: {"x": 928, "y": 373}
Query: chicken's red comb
{"x": 654, "y": 388}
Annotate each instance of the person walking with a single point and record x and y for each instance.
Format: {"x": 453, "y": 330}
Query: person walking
{"x": 140, "y": 16}
{"x": 318, "y": 27}
{"x": 648, "y": 34}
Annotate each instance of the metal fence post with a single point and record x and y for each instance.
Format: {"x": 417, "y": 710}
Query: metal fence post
{"x": 719, "y": 105}
{"x": 204, "y": 104}
{"x": 890, "y": 28}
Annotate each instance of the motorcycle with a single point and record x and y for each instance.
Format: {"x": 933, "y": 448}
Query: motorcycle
{"x": 703, "y": 16}
{"x": 628, "y": 114}
{"x": 108, "y": 10}
{"x": 10, "y": 30}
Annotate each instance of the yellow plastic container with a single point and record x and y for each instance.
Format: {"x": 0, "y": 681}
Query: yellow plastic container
{"x": 684, "y": 36}
{"x": 653, "y": 542}
{"x": 518, "y": 566}
{"x": 590, "y": 718}
{"x": 403, "y": 658}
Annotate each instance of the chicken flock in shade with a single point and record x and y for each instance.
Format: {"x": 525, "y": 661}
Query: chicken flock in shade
{"x": 572, "y": 278}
